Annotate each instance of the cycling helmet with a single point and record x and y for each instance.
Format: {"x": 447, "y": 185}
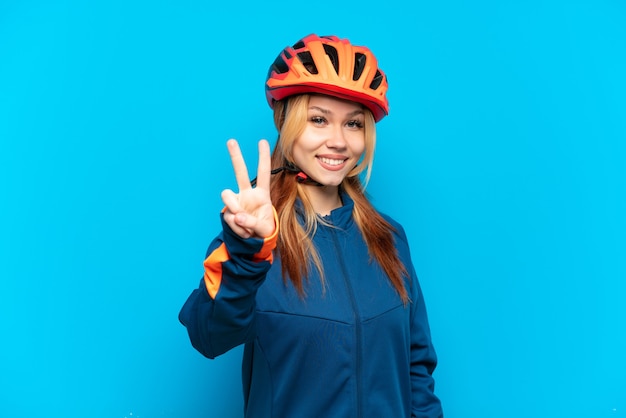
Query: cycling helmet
{"x": 329, "y": 65}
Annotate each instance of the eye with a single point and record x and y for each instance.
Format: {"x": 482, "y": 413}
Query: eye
{"x": 355, "y": 124}
{"x": 317, "y": 120}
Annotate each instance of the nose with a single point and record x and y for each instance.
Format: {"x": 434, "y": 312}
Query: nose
{"x": 336, "y": 138}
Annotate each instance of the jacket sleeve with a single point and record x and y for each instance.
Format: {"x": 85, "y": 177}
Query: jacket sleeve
{"x": 220, "y": 313}
{"x": 425, "y": 404}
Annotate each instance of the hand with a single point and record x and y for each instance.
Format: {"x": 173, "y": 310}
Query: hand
{"x": 249, "y": 213}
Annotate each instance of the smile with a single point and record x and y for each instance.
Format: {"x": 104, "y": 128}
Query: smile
{"x": 331, "y": 161}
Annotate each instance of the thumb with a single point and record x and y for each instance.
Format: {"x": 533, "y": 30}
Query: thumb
{"x": 243, "y": 220}
{"x": 247, "y": 222}
{"x": 254, "y": 225}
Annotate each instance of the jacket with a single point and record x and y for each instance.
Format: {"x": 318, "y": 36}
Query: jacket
{"x": 350, "y": 348}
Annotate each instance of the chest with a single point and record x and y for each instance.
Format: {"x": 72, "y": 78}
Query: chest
{"x": 352, "y": 288}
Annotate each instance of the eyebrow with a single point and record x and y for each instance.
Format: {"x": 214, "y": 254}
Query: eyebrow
{"x": 328, "y": 112}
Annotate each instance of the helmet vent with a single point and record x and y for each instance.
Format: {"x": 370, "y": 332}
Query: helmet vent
{"x": 332, "y": 66}
{"x": 331, "y": 51}
{"x": 307, "y": 60}
{"x": 359, "y": 65}
{"x": 376, "y": 82}
{"x": 280, "y": 66}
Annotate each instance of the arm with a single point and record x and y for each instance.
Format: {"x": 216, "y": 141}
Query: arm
{"x": 219, "y": 314}
{"x": 425, "y": 403}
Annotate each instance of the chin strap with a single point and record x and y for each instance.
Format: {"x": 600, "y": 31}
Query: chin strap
{"x": 301, "y": 177}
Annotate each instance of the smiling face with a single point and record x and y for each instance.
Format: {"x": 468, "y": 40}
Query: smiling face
{"x": 333, "y": 139}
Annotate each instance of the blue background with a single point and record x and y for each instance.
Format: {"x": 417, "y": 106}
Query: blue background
{"x": 503, "y": 157}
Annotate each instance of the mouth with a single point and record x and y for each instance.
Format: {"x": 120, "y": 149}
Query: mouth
{"x": 332, "y": 162}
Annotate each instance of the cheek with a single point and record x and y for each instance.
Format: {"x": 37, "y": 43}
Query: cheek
{"x": 311, "y": 137}
{"x": 308, "y": 141}
{"x": 357, "y": 143}
{"x": 299, "y": 150}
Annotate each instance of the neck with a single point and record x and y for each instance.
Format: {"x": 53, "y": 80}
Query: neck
{"x": 323, "y": 199}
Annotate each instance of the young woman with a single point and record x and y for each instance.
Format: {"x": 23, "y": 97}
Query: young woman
{"x": 316, "y": 283}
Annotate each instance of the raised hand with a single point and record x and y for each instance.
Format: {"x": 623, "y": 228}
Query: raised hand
{"x": 249, "y": 213}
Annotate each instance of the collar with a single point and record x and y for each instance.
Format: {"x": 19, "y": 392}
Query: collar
{"x": 339, "y": 217}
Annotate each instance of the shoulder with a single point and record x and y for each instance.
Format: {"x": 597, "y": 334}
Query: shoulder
{"x": 397, "y": 228}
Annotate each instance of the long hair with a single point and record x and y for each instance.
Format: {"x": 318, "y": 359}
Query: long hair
{"x": 294, "y": 238}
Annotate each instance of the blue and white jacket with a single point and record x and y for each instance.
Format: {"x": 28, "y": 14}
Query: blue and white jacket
{"x": 352, "y": 349}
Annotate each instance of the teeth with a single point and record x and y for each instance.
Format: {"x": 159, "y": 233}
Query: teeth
{"x": 330, "y": 161}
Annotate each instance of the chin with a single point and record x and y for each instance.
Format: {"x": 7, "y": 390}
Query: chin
{"x": 329, "y": 180}
{"x": 332, "y": 183}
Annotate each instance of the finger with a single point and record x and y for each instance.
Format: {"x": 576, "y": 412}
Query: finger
{"x": 246, "y": 221}
{"x": 239, "y": 165}
{"x": 265, "y": 165}
{"x": 231, "y": 221}
{"x": 231, "y": 201}
{"x": 254, "y": 225}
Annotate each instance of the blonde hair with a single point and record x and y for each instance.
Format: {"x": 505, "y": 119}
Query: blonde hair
{"x": 294, "y": 239}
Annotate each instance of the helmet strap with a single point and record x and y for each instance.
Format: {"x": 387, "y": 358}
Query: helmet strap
{"x": 300, "y": 176}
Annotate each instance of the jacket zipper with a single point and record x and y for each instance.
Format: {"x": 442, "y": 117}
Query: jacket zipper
{"x": 357, "y": 324}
